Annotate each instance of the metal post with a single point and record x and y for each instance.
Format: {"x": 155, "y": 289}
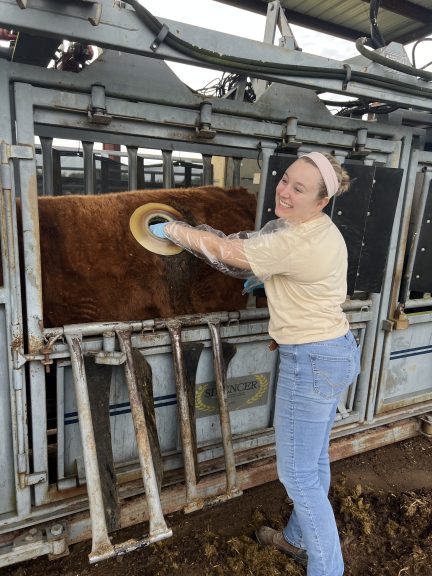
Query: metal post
{"x": 33, "y": 285}
{"x": 132, "y": 167}
{"x": 89, "y": 183}
{"x": 168, "y": 177}
{"x": 236, "y": 172}
{"x": 101, "y": 544}
{"x": 14, "y": 421}
{"x": 220, "y": 378}
{"x": 267, "y": 149}
{"x": 192, "y": 502}
{"x": 47, "y": 166}
{"x": 207, "y": 175}
{"x": 60, "y": 420}
{"x": 158, "y": 528}
{"x": 140, "y": 173}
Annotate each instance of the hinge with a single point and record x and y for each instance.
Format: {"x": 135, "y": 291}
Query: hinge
{"x": 20, "y": 151}
{"x": 35, "y": 478}
{"x": 388, "y": 325}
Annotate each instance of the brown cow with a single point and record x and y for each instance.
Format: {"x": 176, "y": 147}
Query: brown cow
{"x": 94, "y": 270}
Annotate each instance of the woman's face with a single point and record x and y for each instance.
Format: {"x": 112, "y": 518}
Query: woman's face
{"x": 297, "y": 193}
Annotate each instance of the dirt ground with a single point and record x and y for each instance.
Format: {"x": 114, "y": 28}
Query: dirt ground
{"x": 383, "y": 504}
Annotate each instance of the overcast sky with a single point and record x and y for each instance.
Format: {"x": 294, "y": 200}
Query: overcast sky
{"x": 217, "y": 16}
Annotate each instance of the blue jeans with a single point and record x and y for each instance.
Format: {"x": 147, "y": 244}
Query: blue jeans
{"x": 312, "y": 378}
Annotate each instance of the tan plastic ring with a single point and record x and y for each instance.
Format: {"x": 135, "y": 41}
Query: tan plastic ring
{"x": 153, "y": 213}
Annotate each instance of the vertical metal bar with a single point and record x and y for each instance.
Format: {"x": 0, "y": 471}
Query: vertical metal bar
{"x": 187, "y": 176}
{"x": 192, "y": 502}
{"x": 406, "y": 281}
{"x": 33, "y": 284}
{"x": 15, "y": 419}
{"x": 207, "y": 175}
{"x": 267, "y": 149}
{"x": 47, "y": 166}
{"x": 140, "y": 173}
{"x": 236, "y": 173}
{"x": 60, "y": 421}
{"x": 168, "y": 180}
{"x": 57, "y": 174}
{"x": 132, "y": 167}
{"x": 366, "y": 376}
{"x": 220, "y": 378}
{"x": 380, "y": 353}
{"x": 89, "y": 181}
{"x": 101, "y": 545}
{"x": 157, "y": 522}
{"x": 273, "y": 8}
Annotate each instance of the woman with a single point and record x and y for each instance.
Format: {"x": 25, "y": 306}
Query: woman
{"x": 302, "y": 259}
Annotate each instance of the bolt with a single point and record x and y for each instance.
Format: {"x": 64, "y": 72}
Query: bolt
{"x": 340, "y": 213}
{"x": 31, "y": 534}
{"x": 56, "y": 529}
{"x": 274, "y": 173}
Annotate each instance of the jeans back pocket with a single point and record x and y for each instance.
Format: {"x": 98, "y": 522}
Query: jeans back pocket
{"x": 332, "y": 374}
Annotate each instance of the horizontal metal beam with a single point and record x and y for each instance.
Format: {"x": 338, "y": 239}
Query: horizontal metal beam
{"x": 121, "y": 29}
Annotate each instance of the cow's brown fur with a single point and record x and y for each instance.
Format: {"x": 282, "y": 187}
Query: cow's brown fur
{"x": 94, "y": 270}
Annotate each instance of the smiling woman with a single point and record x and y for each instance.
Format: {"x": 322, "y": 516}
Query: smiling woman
{"x": 302, "y": 259}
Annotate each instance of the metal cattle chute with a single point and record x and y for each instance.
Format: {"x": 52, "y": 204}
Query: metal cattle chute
{"x": 105, "y": 425}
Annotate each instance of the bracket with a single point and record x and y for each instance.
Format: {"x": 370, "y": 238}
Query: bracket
{"x": 204, "y": 129}
{"x": 97, "y": 108}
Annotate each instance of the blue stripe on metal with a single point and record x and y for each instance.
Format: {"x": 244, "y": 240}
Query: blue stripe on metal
{"x": 71, "y": 417}
{"x": 411, "y": 352}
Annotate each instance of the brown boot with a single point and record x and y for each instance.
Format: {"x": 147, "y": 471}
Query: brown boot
{"x": 266, "y": 536}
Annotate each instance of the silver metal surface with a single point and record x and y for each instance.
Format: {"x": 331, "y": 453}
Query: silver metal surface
{"x": 137, "y": 38}
{"x": 232, "y": 488}
{"x": 33, "y": 281}
{"x": 158, "y": 528}
{"x": 101, "y": 544}
{"x": 190, "y": 467}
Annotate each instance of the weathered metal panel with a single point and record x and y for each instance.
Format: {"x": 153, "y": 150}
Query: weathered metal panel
{"x": 7, "y": 466}
{"x": 250, "y": 380}
{"x": 409, "y": 370}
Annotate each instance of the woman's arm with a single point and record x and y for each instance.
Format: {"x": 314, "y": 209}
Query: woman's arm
{"x": 228, "y": 251}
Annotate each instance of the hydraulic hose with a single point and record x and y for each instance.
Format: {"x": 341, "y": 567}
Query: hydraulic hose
{"x": 380, "y": 59}
{"x": 255, "y": 67}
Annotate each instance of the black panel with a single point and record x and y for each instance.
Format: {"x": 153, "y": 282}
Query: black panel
{"x": 99, "y": 383}
{"x": 364, "y": 215}
{"x": 421, "y": 280}
{"x": 277, "y": 167}
{"x": 378, "y": 230}
{"x": 349, "y": 213}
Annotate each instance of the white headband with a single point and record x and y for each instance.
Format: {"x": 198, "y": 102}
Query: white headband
{"x": 327, "y": 171}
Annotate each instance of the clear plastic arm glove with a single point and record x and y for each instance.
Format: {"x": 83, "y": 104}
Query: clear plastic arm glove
{"x": 225, "y": 253}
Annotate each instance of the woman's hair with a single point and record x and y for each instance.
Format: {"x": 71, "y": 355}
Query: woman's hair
{"x": 341, "y": 174}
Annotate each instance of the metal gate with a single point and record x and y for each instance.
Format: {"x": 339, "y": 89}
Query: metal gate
{"x": 50, "y": 454}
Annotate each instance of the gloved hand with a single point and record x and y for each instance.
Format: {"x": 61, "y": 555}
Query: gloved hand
{"x": 250, "y": 285}
{"x": 158, "y": 229}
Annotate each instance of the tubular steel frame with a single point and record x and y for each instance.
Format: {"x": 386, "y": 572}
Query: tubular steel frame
{"x": 48, "y": 104}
